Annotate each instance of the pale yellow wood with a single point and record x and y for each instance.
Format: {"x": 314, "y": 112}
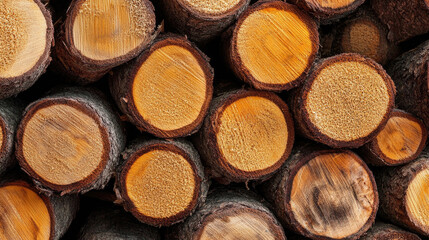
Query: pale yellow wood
{"x": 212, "y": 7}
{"x": 400, "y": 138}
{"x": 332, "y": 195}
{"x": 169, "y": 89}
{"x": 22, "y": 36}
{"x": 363, "y": 37}
{"x": 332, "y": 3}
{"x": 160, "y": 183}
{"x": 347, "y": 100}
{"x": 62, "y": 144}
{"x": 252, "y": 134}
{"x": 274, "y": 45}
{"x": 23, "y": 214}
{"x": 417, "y": 199}
{"x": 106, "y": 29}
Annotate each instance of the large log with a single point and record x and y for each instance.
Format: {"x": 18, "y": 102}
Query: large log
{"x": 167, "y": 90}
{"x": 383, "y": 231}
{"x": 161, "y": 182}
{"x": 70, "y": 141}
{"x": 276, "y": 56}
{"x": 247, "y": 135}
{"x": 345, "y": 101}
{"x": 324, "y": 194}
{"x": 25, "y": 44}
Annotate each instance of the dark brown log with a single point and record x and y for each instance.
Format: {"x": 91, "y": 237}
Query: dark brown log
{"x": 97, "y": 35}
{"x": 383, "y": 231}
{"x": 404, "y": 18}
{"x": 276, "y": 56}
{"x": 410, "y": 72}
{"x": 404, "y": 194}
{"x": 26, "y": 214}
{"x": 345, "y": 101}
{"x": 114, "y": 224}
{"x": 247, "y": 135}
{"x": 202, "y": 21}
{"x": 25, "y": 44}
{"x": 400, "y": 142}
{"x": 328, "y": 11}
{"x": 167, "y": 90}
{"x": 324, "y": 194}
{"x": 161, "y": 182}
{"x": 70, "y": 141}
{"x": 229, "y": 215}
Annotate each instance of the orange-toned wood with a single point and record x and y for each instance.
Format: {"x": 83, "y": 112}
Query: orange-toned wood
{"x": 328, "y": 11}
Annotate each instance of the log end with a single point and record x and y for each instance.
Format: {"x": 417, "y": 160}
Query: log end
{"x": 328, "y": 11}
{"x": 417, "y": 200}
{"x": 212, "y": 8}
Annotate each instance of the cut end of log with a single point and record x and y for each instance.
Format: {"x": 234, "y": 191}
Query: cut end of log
{"x": 331, "y": 4}
{"x": 333, "y": 195}
{"x": 329, "y": 10}
{"x": 107, "y": 30}
{"x": 347, "y": 99}
{"x": 24, "y": 214}
{"x": 211, "y": 7}
{"x": 417, "y": 200}
{"x": 24, "y": 39}
{"x": 278, "y": 55}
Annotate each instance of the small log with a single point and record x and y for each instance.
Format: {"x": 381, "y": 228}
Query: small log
{"x": 161, "y": 182}
{"x": 410, "y": 72}
{"x": 70, "y": 141}
{"x": 324, "y": 194}
{"x": 400, "y": 142}
{"x": 247, "y": 135}
{"x": 114, "y": 224}
{"x": 167, "y": 90}
{"x": 25, "y": 44}
{"x": 229, "y": 215}
{"x": 328, "y": 11}
{"x": 404, "y": 194}
{"x": 98, "y": 35}
{"x": 404, "y": 18}
{"x": 345, "y": 102}
{"x": 276, "y": 56}
{"x": 200, "y": 20}
{"x": 26, "y": 214}
{"x": 383, "y": 231}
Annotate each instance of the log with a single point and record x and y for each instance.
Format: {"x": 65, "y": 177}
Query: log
{"x": 383, "y": 231}
{"x": 229, "y": 215}
{"x": 410, "y": 72}
{"x": 114, "y": 224}
{"x": 247, "y": 135}
{"x": 345, "y": 101}
{"x": 276, "y": 56}
{"x": 404, "y": 194}
{"x": 323, "y": 193}
{"x": 404, "y": 18}
{"x": 97, "y": 35}
{"x": 161, "y": 182}
{"x": 328, "y": 11}
{"x": 202, "y": 21}
{"x": 70, "y": 141}
{"x": 10, "y": 115}
{"x": 400, "y": 142}
{"x": 167, "y": 90}
{"x": 26, "y": 214}
{"x": 25, "y": 44}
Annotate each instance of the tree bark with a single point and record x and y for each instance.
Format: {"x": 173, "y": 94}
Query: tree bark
{"x": 383, "y": 231}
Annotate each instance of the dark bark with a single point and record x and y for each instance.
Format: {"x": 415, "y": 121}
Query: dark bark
{"x": 383, "y": 231}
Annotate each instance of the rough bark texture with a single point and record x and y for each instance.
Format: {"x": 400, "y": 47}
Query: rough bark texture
{"x": 392, "y": 185}
{"x": 114, "y": 224}
{"x": 383, "y": 231}
{"x": 404, "y": 18}
{"x": 198, "y": 26}
{"x": 10, "y": 115}
{"x": 12, "y": 86}
{"x": 206, "y": 141}
{"x": 109, "y": 120}
{"x": 218, "y": 200}
{"x": 410, "y": 72}
{"x": 182, "y": 147}
{"x": 121, "y": 87}
{"x": 80, "y": 69}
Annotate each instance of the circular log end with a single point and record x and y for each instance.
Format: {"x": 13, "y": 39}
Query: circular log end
{"x": 213, "y": 9}
{"x": 332, "y": 195}
{"x": 278, "y": 55}
{"x": 417, "y": 200}
{"x": 326, "y": 10}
